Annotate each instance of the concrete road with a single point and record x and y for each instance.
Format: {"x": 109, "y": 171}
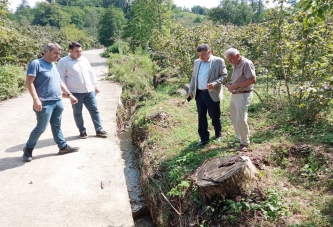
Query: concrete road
{"x": 86, "y": 188}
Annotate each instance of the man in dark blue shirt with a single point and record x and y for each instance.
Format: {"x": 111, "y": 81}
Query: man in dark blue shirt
{"x": 45, "y": 87}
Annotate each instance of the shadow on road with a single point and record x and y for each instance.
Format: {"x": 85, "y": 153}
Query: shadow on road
{"x": 14, "y": 162}
{"x": 40, "y": 144}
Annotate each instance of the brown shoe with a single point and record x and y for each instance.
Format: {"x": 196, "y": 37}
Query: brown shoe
{"x": 243, "y": 147}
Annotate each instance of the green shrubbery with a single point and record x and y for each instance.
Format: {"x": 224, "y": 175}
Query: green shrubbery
{"x": 135, "y": 72}
{"x": 291, "y": 52}
{"x": 119, "y": 47}
{"x": 12, "y": 81}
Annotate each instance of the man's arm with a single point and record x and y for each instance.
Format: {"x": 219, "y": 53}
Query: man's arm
{"x": 246, "y": 83}
{"x": 192, "y": 84}
{"x": 68, "y": 93}
{"x": 93, "y": 78}
{"x": 223, "y": 74}
{"x": 29, "y": 81}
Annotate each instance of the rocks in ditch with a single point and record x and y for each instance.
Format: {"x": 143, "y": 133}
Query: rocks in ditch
{"x": 226, "y": 176}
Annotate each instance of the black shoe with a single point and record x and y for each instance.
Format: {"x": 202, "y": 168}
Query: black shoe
{"x": 68, "y": 149}
{"x": 101, "y": 133}
{"x": 218, "y": 138}
{"x": 83, "y": 135}
{"x": 27, "y": 154}
{"x": 202, "y": 143}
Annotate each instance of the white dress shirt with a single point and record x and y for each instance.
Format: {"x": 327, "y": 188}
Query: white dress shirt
{"x": 77, "y": 74}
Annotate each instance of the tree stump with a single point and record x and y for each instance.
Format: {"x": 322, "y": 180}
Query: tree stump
{"x": 226, "y": 176}
{"x": 182, "y": 90}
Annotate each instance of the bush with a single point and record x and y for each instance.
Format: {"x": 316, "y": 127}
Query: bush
{"x": 119, "y": 47}
{"x": 197, "y": 20}
{"x": 12, "y": 81}
{"x": 135, "y": 72}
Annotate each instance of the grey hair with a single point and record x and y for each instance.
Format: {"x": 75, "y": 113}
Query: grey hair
{"x": 231, "y": 51}
{"x": 51, "y": 46}
{"x": 203, "y": 47}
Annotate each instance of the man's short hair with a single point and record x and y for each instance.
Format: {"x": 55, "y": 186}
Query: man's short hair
{"x": 203, "y": 47}
{"x": 50, "y": 46}
{"x": 231, "y": 51}
{"x": 72, "y": 45}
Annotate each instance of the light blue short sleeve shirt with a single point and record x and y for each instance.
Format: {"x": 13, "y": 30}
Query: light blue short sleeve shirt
{"x": 47, "y": 81}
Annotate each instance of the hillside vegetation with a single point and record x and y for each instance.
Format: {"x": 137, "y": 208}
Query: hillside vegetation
{"x": 290, "y": 119}
{"x": 151, "y": 46}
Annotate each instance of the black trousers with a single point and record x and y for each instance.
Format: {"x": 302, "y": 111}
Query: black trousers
{"x": 205, "y": 103}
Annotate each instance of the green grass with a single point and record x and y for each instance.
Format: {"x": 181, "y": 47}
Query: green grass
{"x": 296, "y": 180}
{"x": 189, "y": 19}
{"x": 171, "y": 156}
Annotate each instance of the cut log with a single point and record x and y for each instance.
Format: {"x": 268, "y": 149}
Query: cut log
{"x": 226, "y": 176}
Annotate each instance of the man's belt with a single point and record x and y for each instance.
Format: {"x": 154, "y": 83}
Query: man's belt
{"x": 204, "y": 90}
{"x": 241, "y": 92}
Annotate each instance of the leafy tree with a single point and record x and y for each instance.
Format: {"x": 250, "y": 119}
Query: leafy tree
{"x": 91, "y": 21}
{"x": 199, "y": 10}
{"x": 24, "y": 13}
{"x": 110, "y": 25}
{"x": 317, "y": 9}
{"x": 51, "y": 14}
{"x": 145, "y": 16}
{"x": 3, "y": 9}
{"x": 82, "y": 3}
{"x": 116, "y": 3}
{"x": 236, "y": 12}
{"x": 258, "y": 9}
{"x": 72, "y": 33}
{"x": 77, "y": 15}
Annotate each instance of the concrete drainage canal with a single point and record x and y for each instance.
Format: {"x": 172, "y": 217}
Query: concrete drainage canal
{"x": 132, "y": 173}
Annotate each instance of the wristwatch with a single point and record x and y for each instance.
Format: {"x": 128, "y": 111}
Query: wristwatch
{"x": 69, "y": 94}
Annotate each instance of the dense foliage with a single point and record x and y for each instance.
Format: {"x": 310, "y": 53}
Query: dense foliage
{"x": 12, "y": 81}
{"x": 147, "y": 16}
{"x": 110, "y": 25}
{"x": 238, "y": 12}
{"x": 292, "y": 52}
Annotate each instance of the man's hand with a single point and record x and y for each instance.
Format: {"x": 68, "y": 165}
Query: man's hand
{"x": 64, "y": 95}
{"x": 97, "y": 90}
{"x": 73, "y": 99}
{"x": 210, "y": 86}
{"x": 231, "y": 87}
{"x": 190, "y": 95}
{"x": 38, "y": 105}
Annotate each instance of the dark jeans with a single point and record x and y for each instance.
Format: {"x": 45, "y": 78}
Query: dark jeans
{"x": 51, "y": 113}
{"x": 89, "y": 100}
{"x": 204, "y": 104}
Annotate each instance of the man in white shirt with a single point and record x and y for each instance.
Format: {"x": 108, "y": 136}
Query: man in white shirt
{"x": 76, "y": 72}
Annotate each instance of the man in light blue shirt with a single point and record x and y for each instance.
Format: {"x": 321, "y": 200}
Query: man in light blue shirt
{"x": 45, "y": 87}
{"x": 209, "y": 72}
{"x": 76, "y": 72}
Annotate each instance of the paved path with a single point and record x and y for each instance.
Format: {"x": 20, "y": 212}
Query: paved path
{"x": 86, "y": 188}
